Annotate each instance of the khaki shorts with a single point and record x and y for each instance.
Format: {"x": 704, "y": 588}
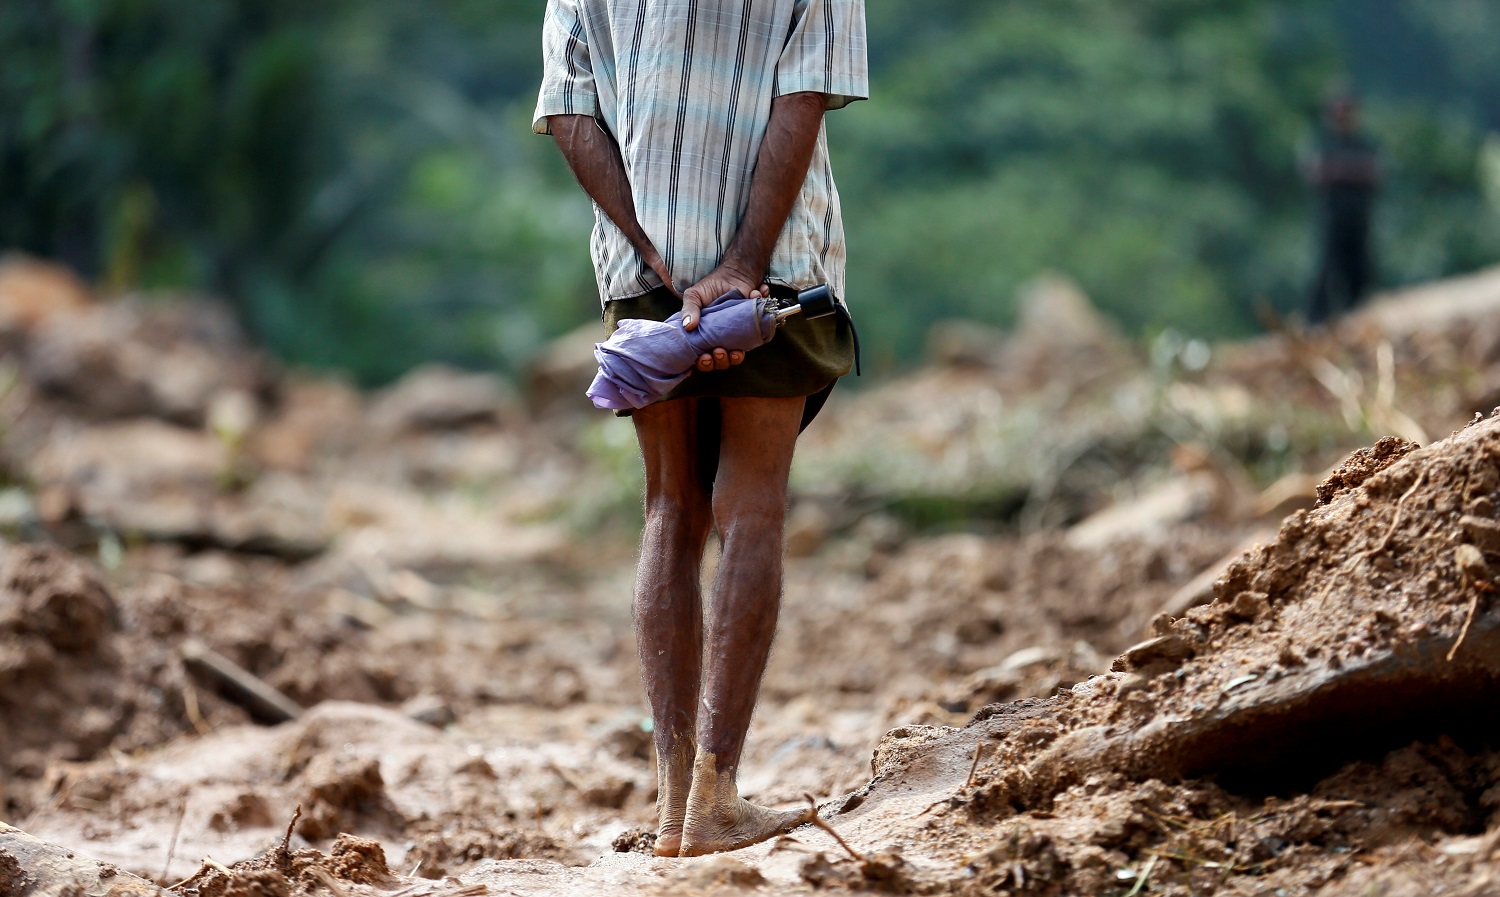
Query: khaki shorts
{"x": 805, "y": 358}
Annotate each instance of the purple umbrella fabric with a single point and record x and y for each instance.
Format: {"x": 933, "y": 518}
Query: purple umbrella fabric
{"x": 644, "y": 360}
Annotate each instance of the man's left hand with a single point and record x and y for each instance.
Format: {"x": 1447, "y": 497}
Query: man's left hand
{"x": 721, "y": 280}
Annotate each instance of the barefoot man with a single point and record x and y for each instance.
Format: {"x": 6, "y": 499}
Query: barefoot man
{"x": 696, "y": 126}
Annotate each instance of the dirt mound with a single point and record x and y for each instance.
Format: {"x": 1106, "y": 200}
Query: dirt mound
{"x": 135, "y": 357}
{"x": 1363, "y": 618}
{"x": 1329, "y": 692}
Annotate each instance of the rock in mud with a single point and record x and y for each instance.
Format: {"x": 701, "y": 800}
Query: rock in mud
{"x": 1160, "y": 653}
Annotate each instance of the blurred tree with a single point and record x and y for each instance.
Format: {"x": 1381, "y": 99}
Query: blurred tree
{"x": 166, "y": 141}
{"x": 352, "y": 175}
{"x": 1144, "y": 148}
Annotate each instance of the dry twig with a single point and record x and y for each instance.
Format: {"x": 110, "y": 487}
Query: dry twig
{"x": 286, "y": 840}
{"x": 194, "y": 715}
{"x": 329, "y": 880}
{"x": 172, "y": 847}
{"x": 1468, "y": 619}
{"x": 973, "y": 767}
{"x": 254, "y": 693}
{"x": 1140, "y": 881}
{"x": 812, "y": 816}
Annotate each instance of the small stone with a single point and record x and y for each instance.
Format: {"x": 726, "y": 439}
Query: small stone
{"x": 1168, "y": 649}
{"x": 1470, "y": 561}
{"x": 1482, "y": 532}
{"x": 1030, "y": 657}
{"x": 429, "y": 709}
{"x": 1132, "y": 682}
{"x": 1250, "y": 605}
{"x": 1289, "y": 656}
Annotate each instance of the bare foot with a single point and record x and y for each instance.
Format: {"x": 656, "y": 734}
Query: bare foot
{"x": 674, "y": 778}
{"x": 718, "y": 819}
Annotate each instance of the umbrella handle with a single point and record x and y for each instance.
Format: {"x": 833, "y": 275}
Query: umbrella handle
{"x": 814, "y": 302}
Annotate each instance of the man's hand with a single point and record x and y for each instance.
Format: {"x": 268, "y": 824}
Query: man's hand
{"x": 721, "y": 280}
{"x": 655, "y": 262}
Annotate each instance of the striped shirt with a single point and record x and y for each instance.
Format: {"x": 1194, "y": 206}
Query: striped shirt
{"x": 685, "y": 88}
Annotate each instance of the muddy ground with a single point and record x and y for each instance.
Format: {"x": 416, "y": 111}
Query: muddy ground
{"x": 1145, "y": 626}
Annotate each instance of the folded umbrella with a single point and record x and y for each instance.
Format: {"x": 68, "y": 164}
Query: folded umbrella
{"x": 644, "y": 360}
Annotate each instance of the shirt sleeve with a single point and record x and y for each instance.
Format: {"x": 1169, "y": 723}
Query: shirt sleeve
{"x": 567, "y": 71}
{"x": 825, "y": 52}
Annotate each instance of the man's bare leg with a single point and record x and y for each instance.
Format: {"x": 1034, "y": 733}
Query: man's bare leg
{"x": 749, "y": 509}
{"x": 668, "y": 604}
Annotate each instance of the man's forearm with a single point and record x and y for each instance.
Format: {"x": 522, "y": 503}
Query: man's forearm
{"x": 595, "y": 159}
{"x": 780, "y": 168}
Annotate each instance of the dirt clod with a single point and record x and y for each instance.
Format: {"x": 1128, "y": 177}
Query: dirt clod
{"x": 47, "y": 595}
{"x": 254, "y": 883}
{"x": 1363, "y": 464}
{"x": 635, "y": 840}
{"x": 359, "y": 860}
{"x": 1482, "y": 532}
{"x": 342, "y": 794}
{"x": 13, "y": 879}
{"x": 1164, "y": 650}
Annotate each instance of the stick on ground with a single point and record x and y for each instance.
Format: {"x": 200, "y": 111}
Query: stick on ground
{"x": 172, "y": 848}
{"x": 974, "y": 767}
{"x": 253, "y": 692}
{"x": 812, "y": 816}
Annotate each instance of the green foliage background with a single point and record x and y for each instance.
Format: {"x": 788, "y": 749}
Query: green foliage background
{"x": 360, "y": 180}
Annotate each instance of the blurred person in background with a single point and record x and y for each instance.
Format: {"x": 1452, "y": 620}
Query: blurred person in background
{"x": 696, "y": 126}
{"x": 1344, "y": 167}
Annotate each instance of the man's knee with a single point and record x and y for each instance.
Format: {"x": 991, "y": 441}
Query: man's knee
{"x": 678, "y": 513}
{"x": 741, "y": 511}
